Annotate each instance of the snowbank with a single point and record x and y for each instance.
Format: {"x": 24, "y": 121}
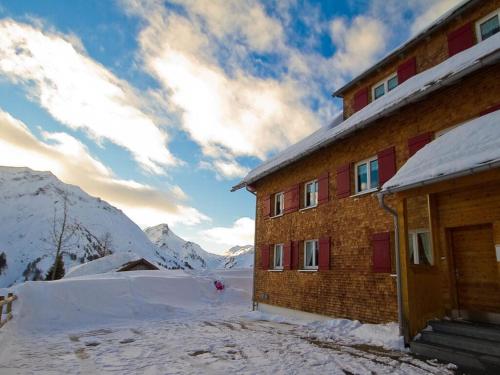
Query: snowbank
{"x": 475, "y": 144}
{"x": 116, "y": 298}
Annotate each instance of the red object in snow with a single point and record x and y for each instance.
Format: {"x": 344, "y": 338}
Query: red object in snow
{"x": 219, "y": 285}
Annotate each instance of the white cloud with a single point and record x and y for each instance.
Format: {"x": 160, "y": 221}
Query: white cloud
{"x": 225, "y": 169}
{"x": 359, "y": 43}
{"x": 70, "y": 161}
{"x": 81, "y": 93}
{"x": 240, "y": 233}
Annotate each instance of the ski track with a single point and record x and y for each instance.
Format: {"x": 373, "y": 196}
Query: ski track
{"x": 202, "y": 346}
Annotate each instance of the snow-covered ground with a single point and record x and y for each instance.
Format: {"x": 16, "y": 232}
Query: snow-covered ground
{"x": 174, "y": 322}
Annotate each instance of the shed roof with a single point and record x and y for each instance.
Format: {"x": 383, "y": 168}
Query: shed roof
{"x": 412, "y": 90}
{"x": 467, "y": 149}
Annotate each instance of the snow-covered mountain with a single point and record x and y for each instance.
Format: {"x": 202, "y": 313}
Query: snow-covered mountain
{"x": 238, "y": 257}
{"x": 29, "y": 202}
{"x": 189, "y": 254}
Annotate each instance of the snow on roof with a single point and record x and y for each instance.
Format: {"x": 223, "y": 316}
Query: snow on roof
{"x": 466, "y": 149}
{"x": 442, "y": 20}
{"x": 420, "y": 85}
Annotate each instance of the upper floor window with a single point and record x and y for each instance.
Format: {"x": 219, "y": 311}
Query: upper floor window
{"x": 311, "y": 254}
{"x": 488, "y": 26}
{"x": 278, "y": 257}
{"x": 383, "y": 87}
{"x": 419, "y": 245}
{"x": 311, "y": 194}
{"x": 279, "y": 204}
{"x": 366, "y": 175}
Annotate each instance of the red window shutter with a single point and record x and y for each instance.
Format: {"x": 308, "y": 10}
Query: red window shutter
{"x": 296, "y": 246}
{"x": 292, "y": 199}
{"x": 287, "y": 256}
{"x": 386, "y": 164}
{"x": 323, "y": 186}
{"x": 324, "y": 254}
{"x": 416, "y": 143}
{"x": 344, "y": 181}
{"x": 267, "y": 206}
{"x": 264, "y": 256}
{"x": 360, "y": 99}
{"x": 407, "y": 70}
{"x": 490, "y": 109}
{"x": 381, "y": 246}
{"x": 461, "y": 39}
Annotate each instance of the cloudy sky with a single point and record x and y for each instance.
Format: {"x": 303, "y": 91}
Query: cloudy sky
{"x": 159, "y": 107}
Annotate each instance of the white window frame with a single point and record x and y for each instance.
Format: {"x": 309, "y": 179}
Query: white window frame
{"x": 315, "y": 261}
{"x": 484, "y": 19}
{"x": 384, "y": 82}
{"x": 369, "y": 178}
{"x": 282, "y": 204}
{"x": 276, "y": 247}
{"x": 305, "y": 194}
{"x": 412, "y": 236}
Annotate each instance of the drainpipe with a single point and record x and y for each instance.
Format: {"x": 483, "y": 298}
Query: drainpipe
{"x": 254, "y": 303}
{"x": 398, "y": 260}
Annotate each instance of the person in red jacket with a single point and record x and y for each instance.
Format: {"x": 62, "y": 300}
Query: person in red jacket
{"x": 219, "y": 285}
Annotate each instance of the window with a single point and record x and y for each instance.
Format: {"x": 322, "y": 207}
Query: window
{"x": 311, "y": 255}
{"x": 311, "y": 194}
{"x": 381, "y": 88}
{"x": 420, "y": 247}
{"x": 278, "y": 257}
{"x": 366, "y": 175}
{"x": 488, "y": 26}
{"x": 279, "y": 204}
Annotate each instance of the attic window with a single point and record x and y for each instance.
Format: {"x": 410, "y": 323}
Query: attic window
{"x": 488, "y": 26}
{"x": 383, "y": 87}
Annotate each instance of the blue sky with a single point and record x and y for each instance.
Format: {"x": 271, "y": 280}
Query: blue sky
{"x": 160, "y": 107}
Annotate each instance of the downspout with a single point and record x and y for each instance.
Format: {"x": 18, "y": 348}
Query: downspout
{"x": 394, "y": 214}
{"x": 254, "y": 303}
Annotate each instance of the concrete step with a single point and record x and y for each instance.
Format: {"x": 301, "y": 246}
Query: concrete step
{"x": 476, "y": 330}
{"x": 472, "y": 344}
{"x": 465, "y": 359}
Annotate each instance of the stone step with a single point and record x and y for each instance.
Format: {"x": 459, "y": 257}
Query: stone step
{"x": 483, "y": 364}
{"x": 476, "y": 330}
{"x": 481, "y": 346}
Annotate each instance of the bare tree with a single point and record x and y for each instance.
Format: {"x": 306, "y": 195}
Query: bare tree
{"x": 103, "y": 245}
{"x": 62, "y": 233}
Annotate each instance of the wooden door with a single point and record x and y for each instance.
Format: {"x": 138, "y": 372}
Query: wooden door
{"x": 476, "y": 271}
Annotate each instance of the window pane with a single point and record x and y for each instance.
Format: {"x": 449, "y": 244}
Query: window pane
{"x": 392, "y": 83}
{"x": 315, "y": 197}
{"x": 424, "y": 248}
{"x": 316, "y": 254}
{"x": 309, "y": 261}
{"x": 362, "y": 177}
{"x": 379, "y": 91}
{"x": 278, "y": 256}
{"x": 278, "y": 204}
{"x": 411, "y": 237}
{"x": 373, "y": 173}
{"x": 490, "y": 27}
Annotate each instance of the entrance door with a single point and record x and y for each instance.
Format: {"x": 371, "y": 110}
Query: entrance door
{"x": 476, "y": 272}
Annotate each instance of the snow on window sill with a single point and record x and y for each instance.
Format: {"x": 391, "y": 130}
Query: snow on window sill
{"x": 365, "y": 192}
{"x": 276, "y": 270}
{"x": 311, "y": 270}
{"x": 308, "y": 208}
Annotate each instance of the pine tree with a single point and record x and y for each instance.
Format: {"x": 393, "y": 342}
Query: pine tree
{"x": 57, "y": 271}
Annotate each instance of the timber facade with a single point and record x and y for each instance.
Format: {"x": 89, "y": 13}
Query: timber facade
{"x": 323, "y": 243}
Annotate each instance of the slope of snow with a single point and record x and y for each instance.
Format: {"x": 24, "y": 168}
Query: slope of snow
{"x": 475, "y": 144}
{"x": 189, "y": 254}
{"x": 420, "y": 85}
{"x": 238, "y": 257}
{"x": 27, "y": 203}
